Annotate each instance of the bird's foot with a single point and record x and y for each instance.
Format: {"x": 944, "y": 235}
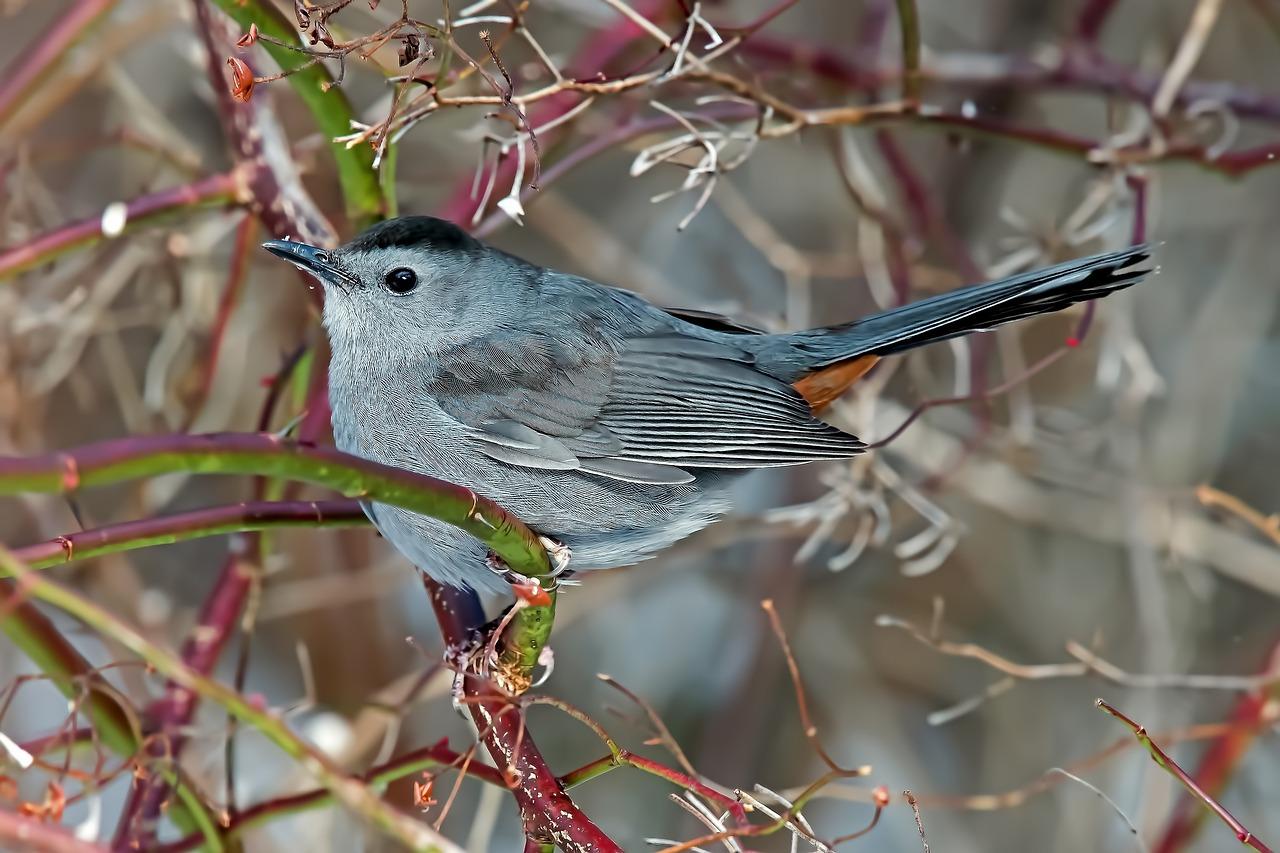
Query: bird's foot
{"x": 560, "y": 556}
{"x": 557, "y": 552}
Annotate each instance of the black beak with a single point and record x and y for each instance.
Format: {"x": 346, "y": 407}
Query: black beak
{"x": 307, "y": 258}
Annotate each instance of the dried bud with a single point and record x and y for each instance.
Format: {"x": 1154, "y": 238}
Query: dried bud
{"x": 531, "y": 594}
{"x": 302, "y": 12}
{"x": 410, "y": 49}
{"x": 241, "y": 79}
{"x": 422, "y": 793}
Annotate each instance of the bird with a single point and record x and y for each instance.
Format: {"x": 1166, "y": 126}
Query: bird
{"x": 611, "y": 426}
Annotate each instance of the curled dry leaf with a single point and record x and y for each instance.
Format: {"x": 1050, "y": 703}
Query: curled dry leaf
{"x": 302, "y": 12}
{"x": 409, "y": 49}
{"x": 532, "y": 594}
{"x": 241, "y": 79}
{"x": 249, "y": 38}
{"x": 422, "y": 792}
{"x": 55, "y": 801}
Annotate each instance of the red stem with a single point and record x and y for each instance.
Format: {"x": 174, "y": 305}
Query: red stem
{"x": 18, "y": 259}
{"x": 599, "y": 51}
{"x": 253, "y": 515}
{"x": 438, "y": 752}
{"x": 172, "y": 714}
{"x": 36, "y": 836}
{"x": 546, "y": 811}
{"x": 1092, "y": 19}
{"x": 1243, "y": 835}
{"x": 1218, "y": 763}
{"x": 1078, "y": 68}
{"x": 18, "y": 76}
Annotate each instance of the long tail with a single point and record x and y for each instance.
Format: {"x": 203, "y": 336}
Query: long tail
{"x": 985, "y": 306}
{"x": 833, "y": 357}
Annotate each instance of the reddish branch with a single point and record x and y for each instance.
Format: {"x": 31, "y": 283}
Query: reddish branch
{"x": 36, "y": 836}
{"x": 1072, "y": 67}
{"x": 1218, "y": 763}
{"x": 547, "y": 813}
{"x": 439, "y": 754}
{"x": 277, "y": 198}
{"x": 1243, "y": 835}
{"x": 276, "y": 194}
{"x": 167, "y": 529}
{"x": 598, "y": 53}
{"x": 19, "y": 77}
{"x": 227, "y": 186}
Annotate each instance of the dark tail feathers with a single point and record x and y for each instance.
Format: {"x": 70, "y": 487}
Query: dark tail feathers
{"x": 976, "y": 308}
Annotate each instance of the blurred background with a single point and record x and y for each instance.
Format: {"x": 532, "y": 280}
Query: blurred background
{"x": 1113, "y": 493}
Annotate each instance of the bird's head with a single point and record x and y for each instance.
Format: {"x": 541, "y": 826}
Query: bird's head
{"x": 416, "y": 283}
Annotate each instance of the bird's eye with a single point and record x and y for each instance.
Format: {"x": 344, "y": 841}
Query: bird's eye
{"x": 401, "y": 280}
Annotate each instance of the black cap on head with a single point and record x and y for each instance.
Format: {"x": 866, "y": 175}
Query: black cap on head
{"x": 426, "y": 232}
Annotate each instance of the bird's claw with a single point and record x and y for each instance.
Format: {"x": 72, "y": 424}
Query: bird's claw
{"x": 558, "y": 553}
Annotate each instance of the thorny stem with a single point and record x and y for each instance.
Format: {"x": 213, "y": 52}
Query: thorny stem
{"x": 436, "y": 757}
{"x": 1160, "y": 757}
{"x": 328, "y": 105}
{"x": 239, "y": 453}
{"x": 351, "y": 792}
{"x": 224, "y": 187}
{"x": 248, "y": 453}
{"x": 115, "y": 723}
{"x": 1220, "y": 758}
{"x": 250, "y": 516}
{"x": 546, "y": 811}
{"x": 18, "y": 80}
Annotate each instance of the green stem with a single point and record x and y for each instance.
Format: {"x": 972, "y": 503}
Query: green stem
{"x": 116, "y": 726}
{"x": 909, "y": 22}
{"x": 329, "y": 107}
{"x": 238, "y": 453}
{"x": 350, "y": 791}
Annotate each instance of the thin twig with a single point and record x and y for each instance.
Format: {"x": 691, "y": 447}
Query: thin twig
{"x": 1160, "y": 757}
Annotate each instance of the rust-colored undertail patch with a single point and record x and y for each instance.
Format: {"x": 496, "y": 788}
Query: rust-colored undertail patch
{"x": 823, "y": 386}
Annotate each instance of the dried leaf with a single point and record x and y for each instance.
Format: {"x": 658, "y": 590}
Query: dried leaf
{"x": 51, "y": 809}
{"x": 512, "y": 207}
{"x": 241, "y": 79}
{"x": 320, "y": 33}
{"x": 422, "y": 797}
{"x": 409, "y": 49}
{"x": 532, "y": 594}
{"x": 303, "y": 13}
{"x": 249, "y": 38}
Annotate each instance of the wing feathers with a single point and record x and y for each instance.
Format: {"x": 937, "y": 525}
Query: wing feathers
{"x": 662, "y": 406}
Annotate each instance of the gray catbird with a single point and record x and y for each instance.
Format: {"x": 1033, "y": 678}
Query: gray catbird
{"x": 606, "y": 423}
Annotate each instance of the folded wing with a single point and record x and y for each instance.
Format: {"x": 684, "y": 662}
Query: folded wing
{"x": 649, "y": 410}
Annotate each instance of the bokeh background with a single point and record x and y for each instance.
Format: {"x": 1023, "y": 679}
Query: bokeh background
{"x": 1064, "y": 509}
